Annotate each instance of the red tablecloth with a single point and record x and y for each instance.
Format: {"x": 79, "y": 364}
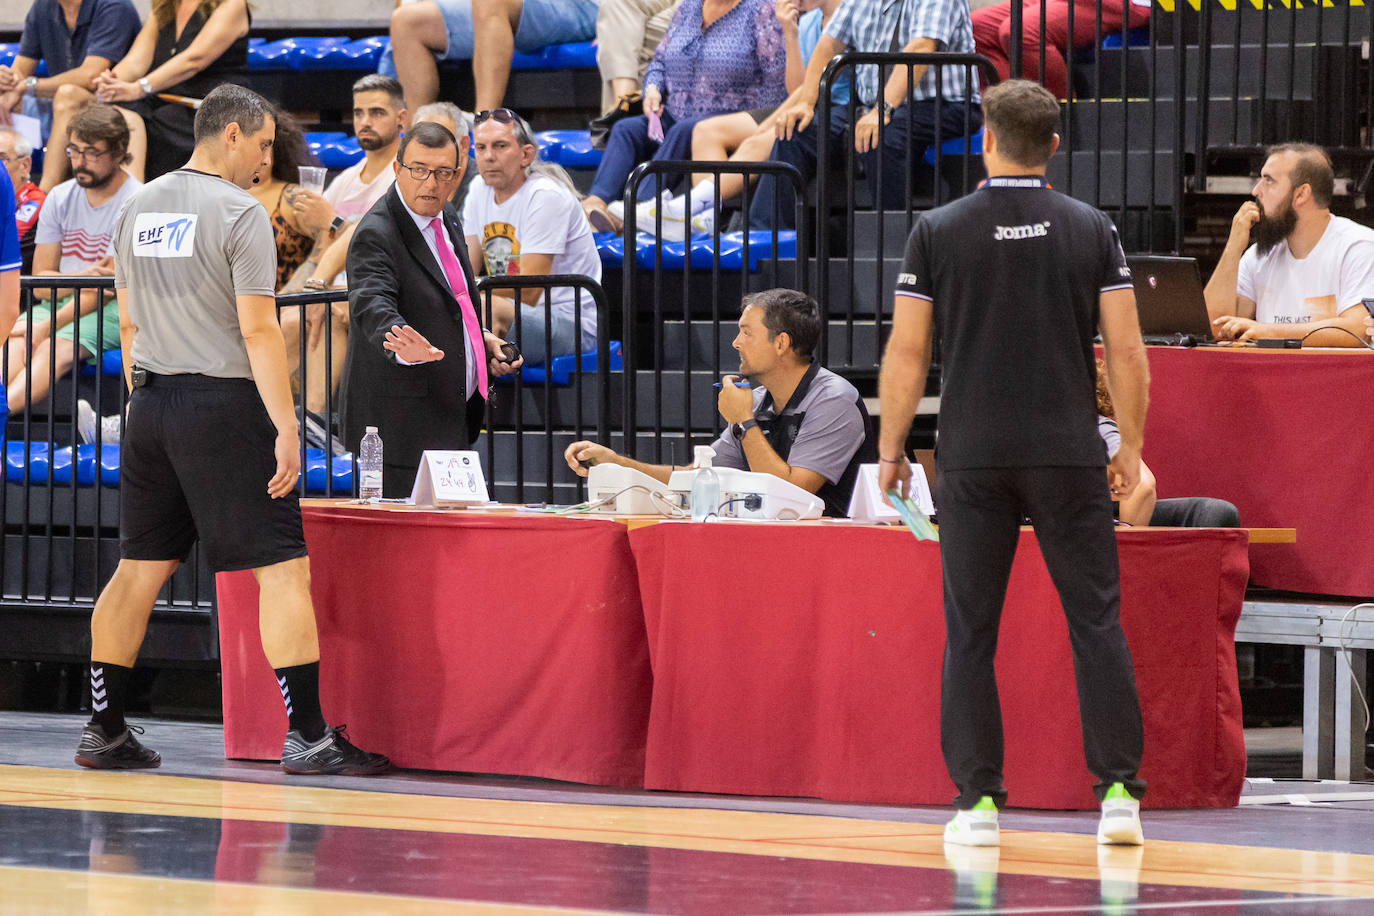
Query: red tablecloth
{"x": 484, "y": 644}
{"x": 1282, "y": 435}
{"x": 806, "y": 661}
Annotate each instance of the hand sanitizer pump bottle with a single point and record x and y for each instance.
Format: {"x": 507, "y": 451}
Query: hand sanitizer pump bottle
{"x": 705, "y": 485}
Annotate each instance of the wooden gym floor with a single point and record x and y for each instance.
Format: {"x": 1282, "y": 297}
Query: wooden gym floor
{"x": 208, "y": 835}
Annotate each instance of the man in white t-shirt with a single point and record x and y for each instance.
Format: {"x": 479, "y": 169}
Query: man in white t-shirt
{"x": 73, "y": 239}
{"x": 1307, "y": 270}
{"x": 522, "y": 222}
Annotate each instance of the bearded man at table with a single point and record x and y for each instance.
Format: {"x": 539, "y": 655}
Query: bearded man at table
{"x": 1306, "y": 271}
{"x": 800, "y": 422}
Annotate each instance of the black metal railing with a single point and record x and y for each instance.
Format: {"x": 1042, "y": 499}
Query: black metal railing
{"x": 680, "y": 396}
{"x": 541, "y": 418}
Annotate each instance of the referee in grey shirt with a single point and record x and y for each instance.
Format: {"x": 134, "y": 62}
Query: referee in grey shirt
{"x": 211, "y": 448}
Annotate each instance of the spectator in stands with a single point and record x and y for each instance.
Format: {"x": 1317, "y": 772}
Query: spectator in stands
{"x": 717, "y": 56}
{"x": 73, "y": 239}
{"x": 521, "y": 221}
{"x": 627, "y": 33}
{"x": 992, "y": 34}
{"x": 409, "y": 284}
{"x": 9, "y": 268}
{"x": 487, "y": 32}
{"x": 875, "y": 25}
{"x": 1143, "y": 507}
{"x": 185, "y": 49}
{"x": 17, "y": 155}
{"x": 459, "y": 123}
{"x": 800, "y": 422}
{"x": 744, "y": 136}
{"x": 77, "y": 40}
{"x": 1307, "y": 270}
{"x": 278, "y": 190}
{"x": 1013, "y": 314}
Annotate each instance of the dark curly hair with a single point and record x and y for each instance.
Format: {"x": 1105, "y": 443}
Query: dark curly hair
{"x": 289, "y": 150}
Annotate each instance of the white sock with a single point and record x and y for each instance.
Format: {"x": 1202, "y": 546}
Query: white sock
{"x": 703, "y": 196}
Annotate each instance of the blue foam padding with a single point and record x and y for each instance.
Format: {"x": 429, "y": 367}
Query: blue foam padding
{"x": 334, "y": 149}
{"x": 561, "y": 368}
{"x": 576, "y": 54}
{"x": 955, "y": 147}
{"x": 571, "y": 149}
{"x": 37, "y": 470}
{"x": 42, "y": 454}
{"x": 109, "y": 464}
{"x": 111, "y": 363}
{"x": 703, "y": 250}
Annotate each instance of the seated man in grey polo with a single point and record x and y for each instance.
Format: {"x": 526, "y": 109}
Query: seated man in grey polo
{"x": 800, "y": 422}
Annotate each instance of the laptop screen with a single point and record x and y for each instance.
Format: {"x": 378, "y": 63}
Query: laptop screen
{"x": 1168, "y": 295}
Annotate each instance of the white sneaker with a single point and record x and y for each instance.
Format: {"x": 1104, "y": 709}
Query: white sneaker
{"x": 975, "y": 827}
{"x": 109, "y": 428}
{"x": 704, "y": 222}
{"x": 646, "y": 219}
{"x": 85, "y": 420}
{"x": 1120, "y": 822}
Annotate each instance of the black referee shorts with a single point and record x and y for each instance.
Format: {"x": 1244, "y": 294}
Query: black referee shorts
{"x": 195, "y": 461}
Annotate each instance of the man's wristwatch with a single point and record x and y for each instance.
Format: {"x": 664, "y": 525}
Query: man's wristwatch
{"x": 885, "y": 110}
{"x": 742, "y": 428}
{"x": 335, "y": 225}
{"x": 30, "y": 84}
{"x": 146, "y": 86}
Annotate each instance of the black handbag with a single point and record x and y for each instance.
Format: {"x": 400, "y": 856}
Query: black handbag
{"x": 627, "y": 106}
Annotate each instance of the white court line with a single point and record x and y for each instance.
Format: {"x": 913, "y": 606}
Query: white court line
{"x": 1130, "y": 906}
{"x": 1318, "y": 798}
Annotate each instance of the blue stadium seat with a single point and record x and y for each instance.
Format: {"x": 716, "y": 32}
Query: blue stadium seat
{"x": 340, "y": 468}
{"x": 703, "y": 251}
{"x": 611, "y": 247}
{"x": 334, "y": 149}
{"x": 362, "y": 54}
{"x": 1138, "y": 37}
{"x": 42, "y": 455}
{"x": 10, "y": 50}
{"x": 955, "y": 147}
{"x": 111, "y": 363}
{"x": 574, "y": 55}
{"x": 571, "y": 149}
{"x": 561, "y": 368}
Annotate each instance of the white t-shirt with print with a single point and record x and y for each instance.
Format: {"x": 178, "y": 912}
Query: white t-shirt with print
{"x": 1334, "y": 276}
{"x": 84, "y": 231}
{"x": 351, "y": 196}
{"x": 543, "y": 217}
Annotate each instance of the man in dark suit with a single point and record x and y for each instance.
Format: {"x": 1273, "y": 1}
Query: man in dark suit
{"x": 418, "y": 360}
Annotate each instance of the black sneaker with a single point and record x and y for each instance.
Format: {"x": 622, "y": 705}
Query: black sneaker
{"x": 332, "y": 755}
{"x": 123, "y": 752}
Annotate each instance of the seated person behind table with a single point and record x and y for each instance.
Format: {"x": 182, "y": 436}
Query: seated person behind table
{"x": 1307, "y": 270}
{"x": 522, "y": 222}
{"x": 1142, "y": 508}
{"x": 818, "y": 437}
{"x": 73, "y": 239}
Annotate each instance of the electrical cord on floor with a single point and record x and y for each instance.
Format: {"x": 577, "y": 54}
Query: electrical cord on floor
{"x": 1342, "y": 640}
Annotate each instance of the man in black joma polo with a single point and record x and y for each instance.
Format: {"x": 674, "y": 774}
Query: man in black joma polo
{"x": 1015, "y": 280}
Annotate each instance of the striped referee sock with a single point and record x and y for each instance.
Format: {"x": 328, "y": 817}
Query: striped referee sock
{"x": 300, "y": 691}
{"x": 109, "y": 688}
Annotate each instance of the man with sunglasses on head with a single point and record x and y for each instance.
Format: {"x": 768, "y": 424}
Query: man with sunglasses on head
{"x": 418, "y": 359}
{"x": 73, "y": 237}
{"x": 520, "y": 221}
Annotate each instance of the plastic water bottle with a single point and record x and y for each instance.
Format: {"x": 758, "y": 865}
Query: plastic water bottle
{"x": 705, "y": 485}
{"x": 370, "y": 465}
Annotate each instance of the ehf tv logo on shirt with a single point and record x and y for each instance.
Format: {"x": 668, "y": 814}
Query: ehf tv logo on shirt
{"x": 164, "y": 235}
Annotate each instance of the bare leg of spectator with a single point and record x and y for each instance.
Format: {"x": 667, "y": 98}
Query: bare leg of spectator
{"x": 417, "y": 34}
{"x": 68, "y": 100}
{"x": 315, "y": 369}
{"x": 138, "y": 144}
{"x": 33, "y": 385}
{"x": 715, "y": 139}
{"x": 493, "y": 40}
{"x": 627, "y": 32}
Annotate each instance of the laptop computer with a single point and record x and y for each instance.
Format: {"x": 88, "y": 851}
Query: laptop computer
{"x": 1169, "y": 300}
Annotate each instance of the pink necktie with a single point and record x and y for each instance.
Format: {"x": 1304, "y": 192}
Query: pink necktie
{"x": 454, "y": 272}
